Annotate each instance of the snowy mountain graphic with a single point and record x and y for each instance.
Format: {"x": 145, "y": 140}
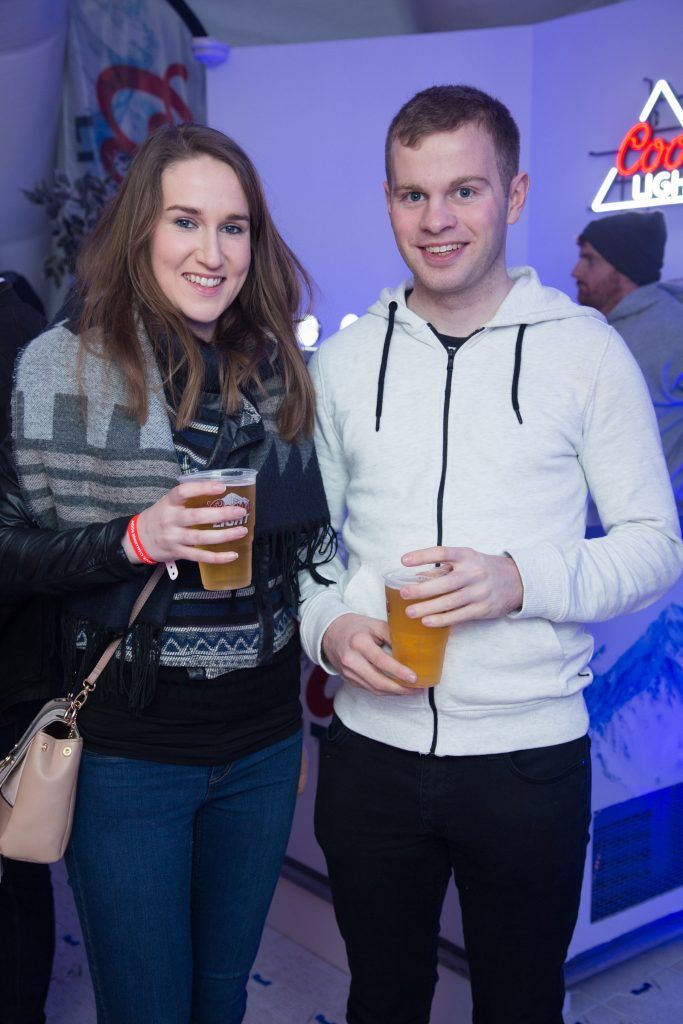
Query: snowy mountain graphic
{"x": 636, "y": 713}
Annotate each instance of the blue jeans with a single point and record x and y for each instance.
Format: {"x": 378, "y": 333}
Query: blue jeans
{"x": 173, "y": 869}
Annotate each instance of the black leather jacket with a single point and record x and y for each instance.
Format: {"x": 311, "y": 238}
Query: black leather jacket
{"x": 39, "y": 561}
{"x": 38, "y": 565}
{"x": 35, "y": 563}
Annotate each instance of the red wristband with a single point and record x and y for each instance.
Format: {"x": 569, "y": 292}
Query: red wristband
{"x": 136, "y": 543}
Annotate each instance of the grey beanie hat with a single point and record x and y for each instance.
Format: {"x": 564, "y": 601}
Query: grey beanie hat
{"x": 632, "y": 242}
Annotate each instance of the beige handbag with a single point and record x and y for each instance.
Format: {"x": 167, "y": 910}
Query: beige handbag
{"x": 39, "y": 775}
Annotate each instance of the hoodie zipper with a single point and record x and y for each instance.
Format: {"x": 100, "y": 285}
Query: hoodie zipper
{"x": 439, "y": 507}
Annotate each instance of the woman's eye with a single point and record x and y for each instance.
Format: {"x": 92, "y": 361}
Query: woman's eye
{"x": 183, "y": 222}
{"x": 232, "y": 229}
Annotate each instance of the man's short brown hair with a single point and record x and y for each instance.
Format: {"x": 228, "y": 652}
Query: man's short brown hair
{"x": 445, "y": 108}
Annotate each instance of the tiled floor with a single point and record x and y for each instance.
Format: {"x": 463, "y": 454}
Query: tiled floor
{"x": 290, "y": 985}
{"x": 645, "y": 990}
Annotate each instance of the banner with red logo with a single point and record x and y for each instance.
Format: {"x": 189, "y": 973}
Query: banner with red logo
{"x": 129, "y": 69}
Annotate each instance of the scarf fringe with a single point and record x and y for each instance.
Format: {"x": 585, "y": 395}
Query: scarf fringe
{"x": 134, "y": 674}
{"x": 284, "y": 554}
{"x": 287, "y": 552}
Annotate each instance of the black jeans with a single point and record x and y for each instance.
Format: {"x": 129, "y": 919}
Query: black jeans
{"x": 513, "y": 829}
{"x": 27, "y": 923}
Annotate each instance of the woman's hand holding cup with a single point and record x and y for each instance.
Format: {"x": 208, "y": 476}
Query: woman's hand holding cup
{"x": 167, "y": 529}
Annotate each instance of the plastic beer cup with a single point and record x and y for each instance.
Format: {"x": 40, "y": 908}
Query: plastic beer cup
{"x": 240, "y": 489}
{"x": 415, "y": 645}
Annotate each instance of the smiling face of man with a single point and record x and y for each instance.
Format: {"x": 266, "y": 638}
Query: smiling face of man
{"x": 200, "y": 249}
{"x": 449, "y": 212}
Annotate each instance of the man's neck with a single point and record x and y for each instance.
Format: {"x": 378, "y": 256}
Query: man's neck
{"x": 458, "y": 315}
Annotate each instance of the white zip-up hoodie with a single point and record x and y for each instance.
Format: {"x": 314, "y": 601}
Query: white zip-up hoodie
{"x": 514, "y": 451}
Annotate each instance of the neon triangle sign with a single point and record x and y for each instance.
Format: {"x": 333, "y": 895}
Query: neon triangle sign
{"x": 653, "y": 165}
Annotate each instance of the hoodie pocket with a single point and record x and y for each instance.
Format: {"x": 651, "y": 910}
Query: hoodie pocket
{"x": 502, "y": 662}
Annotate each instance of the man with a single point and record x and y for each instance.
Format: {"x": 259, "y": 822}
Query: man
{"x": 462, "y": 421}
{"x": 618, "y": 270}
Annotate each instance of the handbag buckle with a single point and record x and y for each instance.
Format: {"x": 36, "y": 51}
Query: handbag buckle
{"x": 77, "y": 702}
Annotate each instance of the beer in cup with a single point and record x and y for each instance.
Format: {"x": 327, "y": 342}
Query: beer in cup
{"x": 240, "y": 489}
{"x": 415, "y": 645}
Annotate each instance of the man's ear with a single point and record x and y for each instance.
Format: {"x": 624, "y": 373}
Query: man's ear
{"x": 519, "y": 190}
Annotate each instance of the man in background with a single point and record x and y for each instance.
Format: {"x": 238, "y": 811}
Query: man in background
{"x": 617, "y": 272}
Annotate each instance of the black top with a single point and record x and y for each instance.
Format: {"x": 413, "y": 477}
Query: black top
{"x": 449, "y": 341}
{"x": 201, "y": 721}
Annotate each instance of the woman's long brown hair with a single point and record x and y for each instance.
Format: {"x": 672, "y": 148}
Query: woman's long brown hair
{"x": 116, "y": 284}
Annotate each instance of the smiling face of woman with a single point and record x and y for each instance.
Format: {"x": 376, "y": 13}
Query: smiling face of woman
{"x": 200, "y": 249}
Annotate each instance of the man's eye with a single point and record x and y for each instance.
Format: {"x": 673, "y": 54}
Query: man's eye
{"x": 465, "y": 192}
{"x": 414, "y": 197}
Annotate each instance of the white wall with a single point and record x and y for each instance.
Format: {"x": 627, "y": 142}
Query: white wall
{"x": 32, "y": 44}
{"x": 314, "y": 117}
{"x": 588, "y": 89}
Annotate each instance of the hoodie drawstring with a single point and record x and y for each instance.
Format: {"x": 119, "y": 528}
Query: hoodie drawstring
{"x": 393, "y": 306}
{"x": 515, "y": 373}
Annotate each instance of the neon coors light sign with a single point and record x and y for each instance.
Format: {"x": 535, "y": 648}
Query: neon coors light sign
{"x": 652, "y": 165}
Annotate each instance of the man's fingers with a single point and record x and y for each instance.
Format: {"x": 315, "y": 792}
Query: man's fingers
{"x": 427, "y": 556}
{"x": 446, "y": 584}
{"x": 353, "y": 644}
{"x": 364, "y": 662}
{"x": 370, "y": 679}
{"x": 467, "y": 613}
{"x": 370, "y": 649}
{"x": 466, "y": 595}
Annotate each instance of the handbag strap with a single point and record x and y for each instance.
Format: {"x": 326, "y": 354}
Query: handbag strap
{"x": 90, "y": 682}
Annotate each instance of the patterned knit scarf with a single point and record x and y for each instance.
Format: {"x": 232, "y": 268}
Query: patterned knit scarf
{"x": 82, "y": 458}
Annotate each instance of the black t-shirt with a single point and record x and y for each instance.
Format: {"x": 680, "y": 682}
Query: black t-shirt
{"x": 449, "y": 341}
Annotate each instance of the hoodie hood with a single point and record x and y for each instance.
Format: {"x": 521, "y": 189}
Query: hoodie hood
{"x": 645, "y": 297}
{"x": 528, "y": 302}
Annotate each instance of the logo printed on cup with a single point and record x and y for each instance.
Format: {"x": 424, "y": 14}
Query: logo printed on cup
{"x": 232, "y": 499}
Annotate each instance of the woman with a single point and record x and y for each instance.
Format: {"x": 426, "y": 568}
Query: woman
{"x": 182, "y": 357}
